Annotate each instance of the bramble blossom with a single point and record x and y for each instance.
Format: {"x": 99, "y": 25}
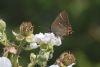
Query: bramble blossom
{"x": 47, "y": 38}
{"x": 5, "y": 62}
{"x": 34, "y": 45}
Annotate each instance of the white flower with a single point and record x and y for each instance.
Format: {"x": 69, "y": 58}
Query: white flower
{"x": 5, "y": 62}
{"x": 71, "y": 65}
{"x": 54, "y": 66}
{"x": 38, "y": 37}
{"x": 47, "y": 38}
{"x": 56, "y": 41}
{"x": 33, "y": 45}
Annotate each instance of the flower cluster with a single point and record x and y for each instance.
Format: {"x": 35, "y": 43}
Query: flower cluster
{"x": 26, "y": 40}
{"x": 45, "y": 42}
{"x": 46, "y": 38}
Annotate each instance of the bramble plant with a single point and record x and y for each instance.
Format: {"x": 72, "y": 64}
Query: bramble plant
{"x": 27, "y": 41}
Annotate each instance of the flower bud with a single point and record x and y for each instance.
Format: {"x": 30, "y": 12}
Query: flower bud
{"x": 32, "y": 57}
{"x": 10, "y": 50}
{"x": 43, "y": 57}
{"x": 66, "y": 59}
{"x": 33, "y": 60}
{"x": 26, "y": 28}
{"x": 2, "y": 25}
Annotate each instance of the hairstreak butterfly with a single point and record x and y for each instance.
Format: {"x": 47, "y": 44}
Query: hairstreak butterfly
{"x": 61, "y": 26}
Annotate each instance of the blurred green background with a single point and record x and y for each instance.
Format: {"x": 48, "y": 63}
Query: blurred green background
{"x": 84, "y": 16}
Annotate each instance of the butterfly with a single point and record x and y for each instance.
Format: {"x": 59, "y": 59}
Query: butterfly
{"x": 61, "y": 26}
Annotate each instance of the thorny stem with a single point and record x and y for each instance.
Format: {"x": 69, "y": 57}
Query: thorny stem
{"x": 16, "y": 57}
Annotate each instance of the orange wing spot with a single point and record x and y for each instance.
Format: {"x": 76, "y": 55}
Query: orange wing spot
{"x": 69, "y": 30}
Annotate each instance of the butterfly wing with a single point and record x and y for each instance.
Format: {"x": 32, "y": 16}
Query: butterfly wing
{"x": 61, "y": 26}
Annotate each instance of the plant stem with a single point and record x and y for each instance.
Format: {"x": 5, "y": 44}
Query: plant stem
{"x": 15, "y": 58}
